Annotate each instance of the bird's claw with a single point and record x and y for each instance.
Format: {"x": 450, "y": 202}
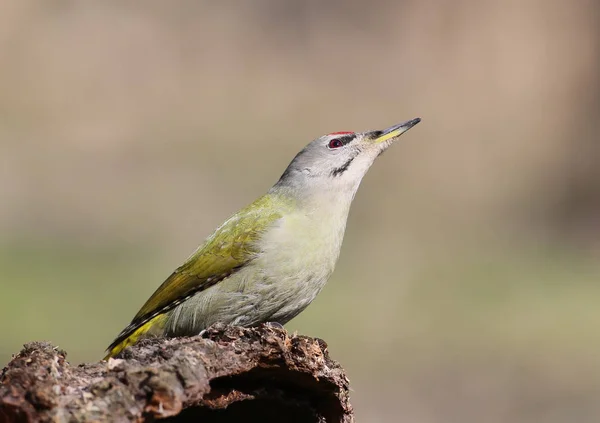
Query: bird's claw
{"x": 274, "y": 325}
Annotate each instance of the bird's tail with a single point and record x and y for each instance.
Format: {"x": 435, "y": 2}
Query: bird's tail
{"x": 131, "y": 336}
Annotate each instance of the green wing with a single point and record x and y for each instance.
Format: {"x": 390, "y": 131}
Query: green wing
{"x": 228, "y": 249}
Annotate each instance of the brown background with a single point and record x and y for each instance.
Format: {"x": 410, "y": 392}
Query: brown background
{"x": 469, "y": 281}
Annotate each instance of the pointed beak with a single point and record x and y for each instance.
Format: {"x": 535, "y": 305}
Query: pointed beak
{"x": 394, "y": 131}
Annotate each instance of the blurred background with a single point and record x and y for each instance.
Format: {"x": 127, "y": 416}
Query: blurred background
{"x": 469, "y": 281}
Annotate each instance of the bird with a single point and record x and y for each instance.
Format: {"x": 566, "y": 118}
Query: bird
{"x": 267, "y": 262}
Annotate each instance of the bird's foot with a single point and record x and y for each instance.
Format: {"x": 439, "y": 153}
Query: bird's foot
{"x": 274, "y": 325}
{"x": 215, "y": 328}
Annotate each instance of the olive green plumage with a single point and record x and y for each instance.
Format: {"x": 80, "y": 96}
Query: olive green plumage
{"x": 229, "y": 248}
{"x": 269, "y": 261}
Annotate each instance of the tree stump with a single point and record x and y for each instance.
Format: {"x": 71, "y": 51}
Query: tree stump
{"x": 227, "y": 374}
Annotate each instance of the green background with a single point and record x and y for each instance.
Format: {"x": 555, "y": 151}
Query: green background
{"x": 469, "y": 280}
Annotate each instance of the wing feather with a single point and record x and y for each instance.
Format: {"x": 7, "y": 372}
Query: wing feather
{"x": 230, "y": 247}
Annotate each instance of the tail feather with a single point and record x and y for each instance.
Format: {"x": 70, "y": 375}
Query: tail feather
{"x": 151, "y": 327}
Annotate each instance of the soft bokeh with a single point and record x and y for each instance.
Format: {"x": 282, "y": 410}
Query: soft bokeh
{"x": 469, "y": 281}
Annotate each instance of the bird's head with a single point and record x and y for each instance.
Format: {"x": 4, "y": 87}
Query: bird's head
{"x": 338, "y": 161}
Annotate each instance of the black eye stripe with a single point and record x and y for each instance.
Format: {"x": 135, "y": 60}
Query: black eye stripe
{"x": 344, "y": 139}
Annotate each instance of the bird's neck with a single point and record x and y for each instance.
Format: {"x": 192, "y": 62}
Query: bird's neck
{"x": 312, "y": 233}
{"x": 327, "y": 202}
{"x": 321, "y": 216}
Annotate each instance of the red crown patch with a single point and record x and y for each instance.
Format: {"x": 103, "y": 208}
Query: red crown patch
{"x": 341, "y": 133}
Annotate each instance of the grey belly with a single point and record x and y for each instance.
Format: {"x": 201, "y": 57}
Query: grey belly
{"x": 247, "y": 298}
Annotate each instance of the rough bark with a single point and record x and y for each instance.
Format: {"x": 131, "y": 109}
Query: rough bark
{"x": 226, "y": 375}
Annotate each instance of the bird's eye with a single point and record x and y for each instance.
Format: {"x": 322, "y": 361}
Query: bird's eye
{"x": 335, "y": 143}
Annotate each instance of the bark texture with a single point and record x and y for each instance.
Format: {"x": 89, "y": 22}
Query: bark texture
{"x": 226, "y": 375}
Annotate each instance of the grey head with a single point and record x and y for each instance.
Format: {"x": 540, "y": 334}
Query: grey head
{"x": 335, "y": 164}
